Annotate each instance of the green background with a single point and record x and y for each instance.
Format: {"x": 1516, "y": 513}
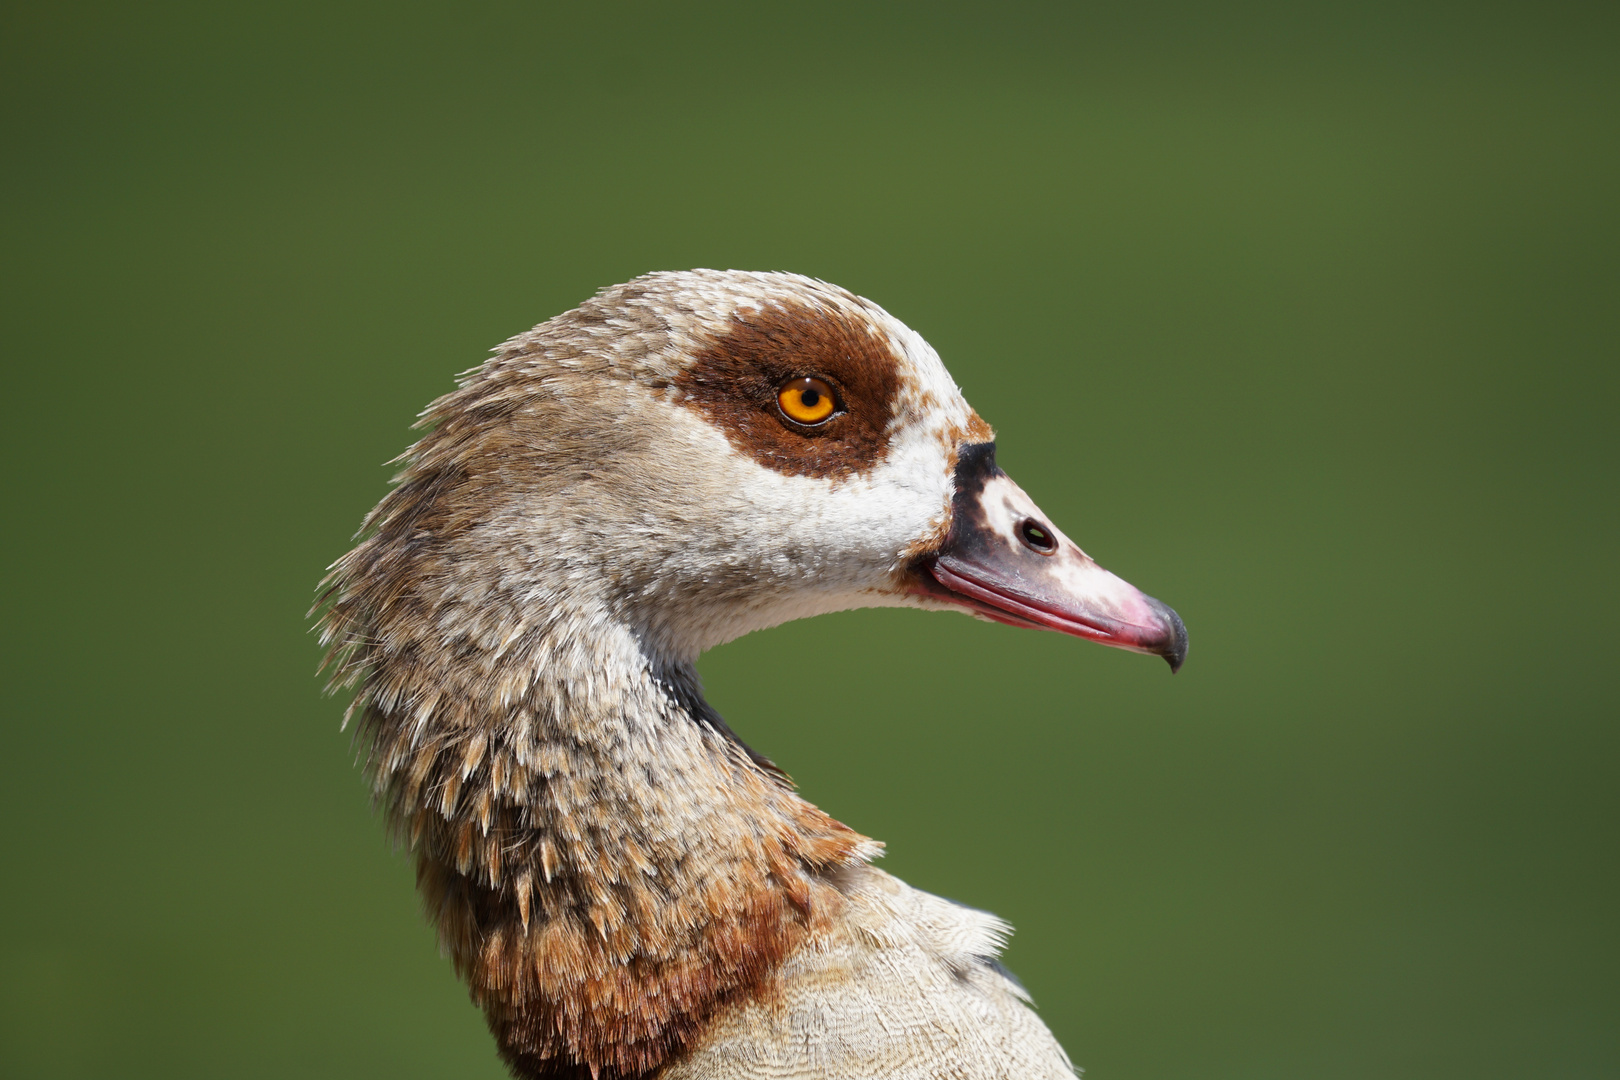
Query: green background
{"x": 1300, "y": 317}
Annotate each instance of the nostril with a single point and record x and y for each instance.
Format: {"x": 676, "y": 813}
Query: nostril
{"x": 1037, "y": 537}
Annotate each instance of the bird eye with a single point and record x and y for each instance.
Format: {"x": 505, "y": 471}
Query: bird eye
{"x": 806, "y": 401}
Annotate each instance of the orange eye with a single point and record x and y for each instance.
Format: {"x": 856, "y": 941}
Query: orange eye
{"x": 806, "y": 401}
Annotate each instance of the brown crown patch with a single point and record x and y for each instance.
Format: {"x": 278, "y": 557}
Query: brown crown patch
{"x": 735, "y": 381}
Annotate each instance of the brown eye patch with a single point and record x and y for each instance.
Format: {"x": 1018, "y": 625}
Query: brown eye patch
{"x": 737, "y": 383}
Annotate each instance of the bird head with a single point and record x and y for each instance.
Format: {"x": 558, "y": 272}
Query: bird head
{"x": 702, "y": 454}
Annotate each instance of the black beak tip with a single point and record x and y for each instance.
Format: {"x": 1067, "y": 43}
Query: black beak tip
{"x": 1174, "y": 649}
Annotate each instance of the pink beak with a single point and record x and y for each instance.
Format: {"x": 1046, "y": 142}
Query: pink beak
{"x": 1002, "y": 560}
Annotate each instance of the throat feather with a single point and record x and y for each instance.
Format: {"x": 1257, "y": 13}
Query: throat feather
{"x": 605, "y": 878}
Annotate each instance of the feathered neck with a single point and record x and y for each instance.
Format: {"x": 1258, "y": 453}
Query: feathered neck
{"x": 605, "y": 862}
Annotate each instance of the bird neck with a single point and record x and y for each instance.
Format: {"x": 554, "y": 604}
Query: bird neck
{"x": 606, "y": 863}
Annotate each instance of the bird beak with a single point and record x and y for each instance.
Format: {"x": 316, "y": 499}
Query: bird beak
{"x": 1003, "y": 560}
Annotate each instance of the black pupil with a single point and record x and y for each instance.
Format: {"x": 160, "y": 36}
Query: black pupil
{"x": 1037, "y": 535}
{"x": 809, "y": 398}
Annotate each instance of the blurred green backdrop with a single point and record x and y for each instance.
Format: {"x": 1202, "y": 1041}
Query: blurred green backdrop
{"x": 1300, "y": 317}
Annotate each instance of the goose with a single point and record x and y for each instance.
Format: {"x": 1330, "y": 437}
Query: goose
{"x": 627, "y": 889}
